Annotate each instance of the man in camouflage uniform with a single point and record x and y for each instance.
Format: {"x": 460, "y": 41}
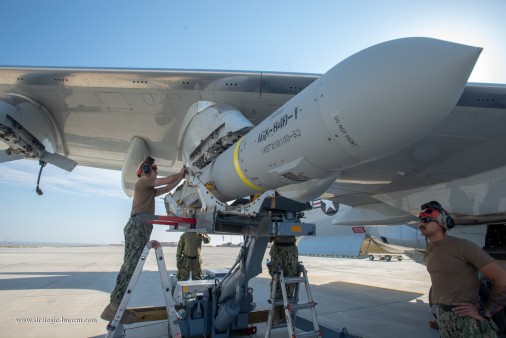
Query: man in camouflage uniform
{"x": 285, "y": 256}
{"x": 137, "y": 231}
{"x": 188, "y": 255}
{"x": 453, "y": 264}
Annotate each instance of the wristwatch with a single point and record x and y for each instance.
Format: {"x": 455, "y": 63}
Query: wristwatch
{"x": 483, "y": 314}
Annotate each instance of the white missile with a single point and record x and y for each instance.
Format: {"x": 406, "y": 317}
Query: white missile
{"x": 369, "y": 106}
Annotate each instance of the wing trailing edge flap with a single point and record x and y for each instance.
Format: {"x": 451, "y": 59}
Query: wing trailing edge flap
{"x": 55, "y": 159}
{"x": 58, "y": 160}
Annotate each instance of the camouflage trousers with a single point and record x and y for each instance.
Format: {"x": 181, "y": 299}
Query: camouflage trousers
{"x": 452, "y": 325}
{"x": 136, "y": 237}
{"x": 192, "y": 265}
{"x": 287, "y": 259}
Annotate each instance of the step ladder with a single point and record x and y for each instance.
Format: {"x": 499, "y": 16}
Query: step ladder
{"x": 115, "y": 327}
{"x": 292, "y": 305}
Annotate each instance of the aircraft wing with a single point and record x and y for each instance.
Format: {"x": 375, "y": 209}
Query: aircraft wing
{"x": 98, "y": 111}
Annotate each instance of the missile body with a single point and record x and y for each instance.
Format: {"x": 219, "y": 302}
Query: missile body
{"x": 368, "y": 106}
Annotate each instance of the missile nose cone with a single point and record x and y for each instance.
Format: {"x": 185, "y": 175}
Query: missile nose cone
{"x": 388, "y": 96}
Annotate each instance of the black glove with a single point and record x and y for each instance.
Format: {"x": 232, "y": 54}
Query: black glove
{"x": 179, "y": 264}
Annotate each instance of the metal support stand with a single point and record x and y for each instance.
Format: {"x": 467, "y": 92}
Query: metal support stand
{"x": 115, "y": 328}
{"x": 292, "y": 305}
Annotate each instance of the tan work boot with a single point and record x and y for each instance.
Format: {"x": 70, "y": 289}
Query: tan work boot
{"x": 110, "y": 311}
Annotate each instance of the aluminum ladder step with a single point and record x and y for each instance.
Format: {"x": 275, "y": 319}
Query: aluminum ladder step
{"x": 301, "y": 306}
{"x": 310, "y": 334}
{"x": 292, "y": 280}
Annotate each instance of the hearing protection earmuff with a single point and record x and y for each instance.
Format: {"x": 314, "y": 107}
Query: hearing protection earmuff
{"x": 447, "y": 219}
{"x": 145, "y": 166}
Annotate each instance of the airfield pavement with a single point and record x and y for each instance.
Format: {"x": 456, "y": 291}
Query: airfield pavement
{"x": 61, "y": 291}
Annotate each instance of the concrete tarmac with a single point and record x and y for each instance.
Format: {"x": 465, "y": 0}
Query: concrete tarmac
{"x": 60, "y": 292}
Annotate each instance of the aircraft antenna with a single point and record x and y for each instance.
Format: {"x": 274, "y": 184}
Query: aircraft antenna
{"x": 37, "y": 189}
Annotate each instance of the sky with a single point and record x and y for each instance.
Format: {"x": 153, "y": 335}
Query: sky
{"x": 88, "y": 205}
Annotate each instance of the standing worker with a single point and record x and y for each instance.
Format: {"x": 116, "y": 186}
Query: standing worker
{"x": 137, "y": 231}
{"x": 453, "y": 264}
{"x": 285, "y": 256}
{"x": 188, "y": 255}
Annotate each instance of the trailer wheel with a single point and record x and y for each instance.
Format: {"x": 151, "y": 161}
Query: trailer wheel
{"x": 388, "y": 258}
{"x": 399, "y": 258}
{"x": 371, "y": 257}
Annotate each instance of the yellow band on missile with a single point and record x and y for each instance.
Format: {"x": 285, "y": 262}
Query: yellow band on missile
{"x": 239, "y": 171}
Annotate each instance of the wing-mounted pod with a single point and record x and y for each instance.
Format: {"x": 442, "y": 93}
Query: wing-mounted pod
{"x": 28, "y": 130}
{"x": 137, "y": 151}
